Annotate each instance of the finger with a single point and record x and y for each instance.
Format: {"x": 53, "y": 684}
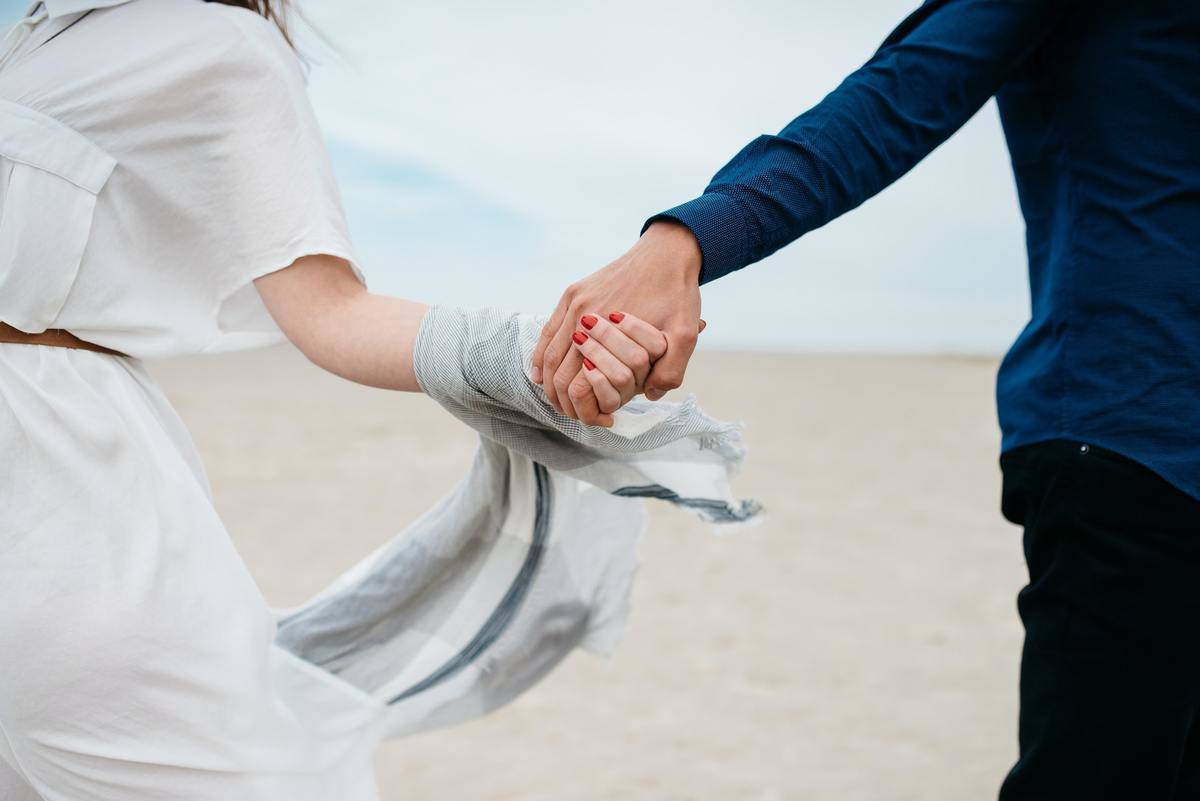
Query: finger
{"x": 605, "y": 392}
{"x": 567, "y": 370}
{"x": 557, "y": 351}
{"x": 607, "y": 396}
{"x": 620, "y": 345}
{"x": 667, "y": 373}
{"x": 703, "y": 325}
{"x": 641, "y": 332}
{"x": 616, "y": 371}
{"x": 548, "y": 331}
{"x": 584, "y": 399}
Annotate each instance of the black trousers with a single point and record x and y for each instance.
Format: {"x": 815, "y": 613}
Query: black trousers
{"x": 1110, "y": 672}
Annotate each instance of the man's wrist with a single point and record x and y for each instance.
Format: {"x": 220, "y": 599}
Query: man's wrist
{"x": 719, "y": 225}
{"x": 679, "y": 240}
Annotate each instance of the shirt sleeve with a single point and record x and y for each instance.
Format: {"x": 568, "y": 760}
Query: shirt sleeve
{"x": 928, "y": 78}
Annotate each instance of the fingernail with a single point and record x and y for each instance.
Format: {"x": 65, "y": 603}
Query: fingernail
{"x": 579, "y": 337}
{"x": 617, "y": 317}
{"x": 588, "y": 364}
{"x": 535, "y": 375}
{"x": 587, "y": 321}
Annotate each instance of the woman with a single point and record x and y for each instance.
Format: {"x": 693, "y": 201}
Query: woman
{"x": 165, "y": 191}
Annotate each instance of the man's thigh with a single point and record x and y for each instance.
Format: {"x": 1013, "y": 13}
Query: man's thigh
{"x": 1110, "y": 675}
{"x": 1100, "y": 718}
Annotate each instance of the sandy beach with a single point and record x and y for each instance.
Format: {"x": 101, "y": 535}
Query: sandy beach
{"x": 861, "y": 643}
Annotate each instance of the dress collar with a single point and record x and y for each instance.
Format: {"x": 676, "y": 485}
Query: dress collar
{"x": 60, "y": 8}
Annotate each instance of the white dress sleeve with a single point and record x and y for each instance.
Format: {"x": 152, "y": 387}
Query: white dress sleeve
{"x": 172, "y": 156}
{"x": 276, "y": 199}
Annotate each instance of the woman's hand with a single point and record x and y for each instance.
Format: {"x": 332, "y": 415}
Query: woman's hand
{"x": 658, "y": 279}
{"x": 618, "y": 353}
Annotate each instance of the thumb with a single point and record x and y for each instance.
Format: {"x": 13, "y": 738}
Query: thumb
{"x": 544, "y": 338}
{"x": 668, "y": 371}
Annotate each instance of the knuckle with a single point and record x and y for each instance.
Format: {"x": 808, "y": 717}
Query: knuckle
{"x": 670, "y": 379}
{"x": 686, "y": 337}
{"x": 626, "y": 380}
{"x": 578, "y": 392}
{"x": 561, "y": 384}
{"x": 641, "y": 362}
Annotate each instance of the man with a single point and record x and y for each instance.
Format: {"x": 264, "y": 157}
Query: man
{"x": 1099, "y": 398}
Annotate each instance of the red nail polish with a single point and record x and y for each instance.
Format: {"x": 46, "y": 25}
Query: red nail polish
{"x": 587, "y": 321}
{"x": 588, "y": 364}
{"x": 617, "y": 317}
{"x": 579, "y": 337}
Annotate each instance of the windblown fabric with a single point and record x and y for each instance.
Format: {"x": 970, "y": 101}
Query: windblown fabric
{"x": 532, "y": 555}
{"x": 466, "y": 359}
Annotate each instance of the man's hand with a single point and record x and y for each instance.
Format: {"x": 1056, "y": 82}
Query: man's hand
{"x": 656, "y": 280}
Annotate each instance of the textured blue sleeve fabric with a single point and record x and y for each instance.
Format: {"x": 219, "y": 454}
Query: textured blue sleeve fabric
{"x": 926, "y": 80}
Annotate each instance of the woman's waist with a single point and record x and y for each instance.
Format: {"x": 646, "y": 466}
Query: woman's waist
{"x": 73, "y": 406}
{"x": 82, "y": 429}
{"x": 51, "y": 337}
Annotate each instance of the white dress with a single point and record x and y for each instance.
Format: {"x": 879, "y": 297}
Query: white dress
{"x": 156, "y": 156}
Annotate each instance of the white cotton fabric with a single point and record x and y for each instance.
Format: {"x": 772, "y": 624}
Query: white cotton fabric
{"x": 175, "y": 144}
{"x": 155, "y": 157}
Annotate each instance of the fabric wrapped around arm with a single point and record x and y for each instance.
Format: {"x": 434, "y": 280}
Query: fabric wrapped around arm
{"x": 531, "y": 556}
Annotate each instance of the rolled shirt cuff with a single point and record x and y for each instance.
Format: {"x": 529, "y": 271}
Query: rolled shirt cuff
{"x": 719, "y": 224}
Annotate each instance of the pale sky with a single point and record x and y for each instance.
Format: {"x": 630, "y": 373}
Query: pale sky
{"x": 490, "y": 153}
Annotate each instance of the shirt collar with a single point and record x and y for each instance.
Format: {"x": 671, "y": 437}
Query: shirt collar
{"x": 60, "y": 8}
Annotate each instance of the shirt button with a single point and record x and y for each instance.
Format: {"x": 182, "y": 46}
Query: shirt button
{"x": 1084, "y": 448}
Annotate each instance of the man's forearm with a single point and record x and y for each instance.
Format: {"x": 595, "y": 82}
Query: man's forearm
{"x": 926, "y": 80}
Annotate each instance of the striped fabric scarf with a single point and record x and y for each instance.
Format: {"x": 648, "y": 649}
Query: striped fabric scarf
{"x": 532, "y": 555}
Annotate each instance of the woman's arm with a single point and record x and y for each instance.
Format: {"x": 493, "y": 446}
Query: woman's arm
{"x": 330, "y": 316}
{"x": 341, "y": 327}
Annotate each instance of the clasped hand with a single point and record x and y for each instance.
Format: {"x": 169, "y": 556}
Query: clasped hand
{"x": 629, "y": 328}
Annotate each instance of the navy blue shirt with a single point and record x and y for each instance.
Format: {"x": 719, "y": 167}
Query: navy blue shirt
{"x": 1100, "y": 103}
